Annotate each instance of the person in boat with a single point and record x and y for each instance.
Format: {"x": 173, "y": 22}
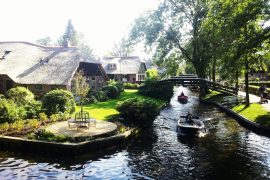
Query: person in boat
{"x": 182, "y": 94}
{"x": 189, "y": 118}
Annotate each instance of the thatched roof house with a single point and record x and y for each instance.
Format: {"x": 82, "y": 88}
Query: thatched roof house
{"x": 129, "y": 69}
{"x": 42, "y": 68}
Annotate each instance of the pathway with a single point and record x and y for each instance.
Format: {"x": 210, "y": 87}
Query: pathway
{"x": 255, "y": 99}
{"x": 102, "y": 127}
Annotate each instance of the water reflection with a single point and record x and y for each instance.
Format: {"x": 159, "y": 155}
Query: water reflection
{"x": 226, "y": 151}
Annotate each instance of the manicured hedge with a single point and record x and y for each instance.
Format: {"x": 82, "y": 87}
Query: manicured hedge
{"x": 57, "y": 101}
{"x": 140, "y": 112}
{"x": 131, "y": 85}
{"x": 156, "y": 90}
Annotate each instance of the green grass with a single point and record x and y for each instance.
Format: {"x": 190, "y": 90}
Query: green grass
{"x": 103, "y": 110}
{"x": 214, "y": 96}
{"x": 255, "y": 113}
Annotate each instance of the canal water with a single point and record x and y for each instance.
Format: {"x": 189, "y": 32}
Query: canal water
{"x": 225, "y": 151}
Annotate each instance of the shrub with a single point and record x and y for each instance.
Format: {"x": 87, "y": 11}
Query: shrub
{"x": 17, "y": 126}
{"x": 101, "y": 96}
{"x": 20, "y": 95}
{"x": 111, "y": 91}
{"x": 8, "y": 111}
{"x": 43, "y": 117}
{"x": 48, "y": 136}
{"x": 153, "y": 88}
{"x": 140, "y": 112}
{"x": 4, "y": 127}
{"x": 55, "y": 117}
{"x": 33, "y": 123}
{"x": 57, "y": 101}
{"x": 33, "y": 109}
{"x": 131, "y": 85}
{"x": 119, "y": 85}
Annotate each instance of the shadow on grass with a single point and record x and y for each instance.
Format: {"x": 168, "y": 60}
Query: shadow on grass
{"x": 263, "y": 119}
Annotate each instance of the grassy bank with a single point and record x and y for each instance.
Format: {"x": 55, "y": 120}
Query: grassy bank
{"x": 103, "y": 110}
{"x": 255, "y": 112}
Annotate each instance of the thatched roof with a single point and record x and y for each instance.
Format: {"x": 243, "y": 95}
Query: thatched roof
{"x": 27, "y": 63}
{"x": 124, "y": 65}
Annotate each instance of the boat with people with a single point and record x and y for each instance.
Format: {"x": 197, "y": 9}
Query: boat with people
{"x": 182, "y": 98}
{"x": 190, "y": 124}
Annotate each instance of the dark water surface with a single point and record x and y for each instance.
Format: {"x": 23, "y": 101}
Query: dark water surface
{"x": 226, "y": 151}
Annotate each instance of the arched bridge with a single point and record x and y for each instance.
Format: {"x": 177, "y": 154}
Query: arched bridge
{"x": 193, "y": 80}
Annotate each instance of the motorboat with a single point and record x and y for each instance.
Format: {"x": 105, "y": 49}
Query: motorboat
{"x": 182, "y": 99}
{"x": 190, "y": 128}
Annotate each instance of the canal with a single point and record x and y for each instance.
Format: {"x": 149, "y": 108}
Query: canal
{"x": 225, "y": 151}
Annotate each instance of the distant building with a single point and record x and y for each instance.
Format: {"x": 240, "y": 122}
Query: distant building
{"x": 42, "y": 69}
{"x": 125, "y": 69}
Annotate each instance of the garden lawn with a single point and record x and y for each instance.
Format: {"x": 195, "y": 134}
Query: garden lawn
{"x": 214, "y": 96}
{"x": 255, "y": 113}
{"x": 103, "y": 110}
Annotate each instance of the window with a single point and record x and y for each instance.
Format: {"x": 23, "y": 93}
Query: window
{"x": 140, "y": 77}
{"x": 93, "y": 78}
{"x": 112, "y": 66}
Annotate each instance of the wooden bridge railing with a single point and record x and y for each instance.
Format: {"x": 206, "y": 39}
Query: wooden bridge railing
{"x": 193, "y": 80}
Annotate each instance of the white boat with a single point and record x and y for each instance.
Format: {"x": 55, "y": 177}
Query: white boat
{"x": 190, "y": 128}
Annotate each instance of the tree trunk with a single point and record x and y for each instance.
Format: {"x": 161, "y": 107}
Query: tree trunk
{"x": 237, "y": 82}
{"x": 246, "y": 84}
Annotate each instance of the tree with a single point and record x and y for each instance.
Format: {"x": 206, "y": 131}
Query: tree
{"x": 176, "y": 27}
{"x": 70, "y": 36}
{"x": 239, "y": 25}
{"x": 81, "y": 87}
{"x": 122, "y": 49}
{"x": 152, "y": 74}
{"x": 47, "y": 41}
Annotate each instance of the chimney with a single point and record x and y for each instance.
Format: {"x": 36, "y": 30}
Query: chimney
{"x": 66, "y": 43}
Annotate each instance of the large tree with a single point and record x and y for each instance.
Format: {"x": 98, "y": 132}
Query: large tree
{"x": 122, "y": 49}
{"x": 240, "y": 27}
{"x": 70, "y": 35}
{"x": 176, "y": 27}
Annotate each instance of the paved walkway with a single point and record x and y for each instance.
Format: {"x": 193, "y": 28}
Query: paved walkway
{"x": 102, "y": 127}
{"x": 255, "y": 99}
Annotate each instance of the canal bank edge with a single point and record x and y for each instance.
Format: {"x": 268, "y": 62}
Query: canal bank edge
{"x": 257, "y": 128}
{"x": 18, "y": 143}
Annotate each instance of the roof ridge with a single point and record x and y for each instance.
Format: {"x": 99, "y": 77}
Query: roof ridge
{"x": 37, "y": 45}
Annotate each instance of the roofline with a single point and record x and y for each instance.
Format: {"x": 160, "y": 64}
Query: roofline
{"x": 37, "y": 45}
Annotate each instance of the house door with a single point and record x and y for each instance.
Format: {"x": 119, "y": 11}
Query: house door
{"x": 9, "y": 84}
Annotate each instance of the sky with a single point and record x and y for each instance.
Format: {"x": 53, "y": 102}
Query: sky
{"x": 102, "y": 22}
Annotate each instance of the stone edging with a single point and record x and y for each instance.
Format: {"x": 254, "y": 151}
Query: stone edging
{"x": 257, "y": 128}
{"x": 65, "y": 148}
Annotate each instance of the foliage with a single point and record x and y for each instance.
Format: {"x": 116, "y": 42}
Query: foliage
{"x": 101, "y": 96}
{"x": 255, "y": 112}
{"x": 81, "y": 87}
{"x": 131, "y": 85}
{"x": 70, "y": 35}
{"x": 119, "y": 85}
{"x": 163, "y": 29}
{"x": 20, "y": 95}
{"x": 43, "y": 117}
{"x": 138, "y": 111}
{"x": 47, "y": 41}
{"x": 104, "y": 110}
{"x": 8, "y": 111}
{"x": 111, "y": 91}
{"x": 122, "y": 49}
{"x": 57, "y": 101}
{"x": 152, "y": 74}
{"x": 33, "y": 109}
{"x": 154, "y": 89}
{"x": 48, "y": 136}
